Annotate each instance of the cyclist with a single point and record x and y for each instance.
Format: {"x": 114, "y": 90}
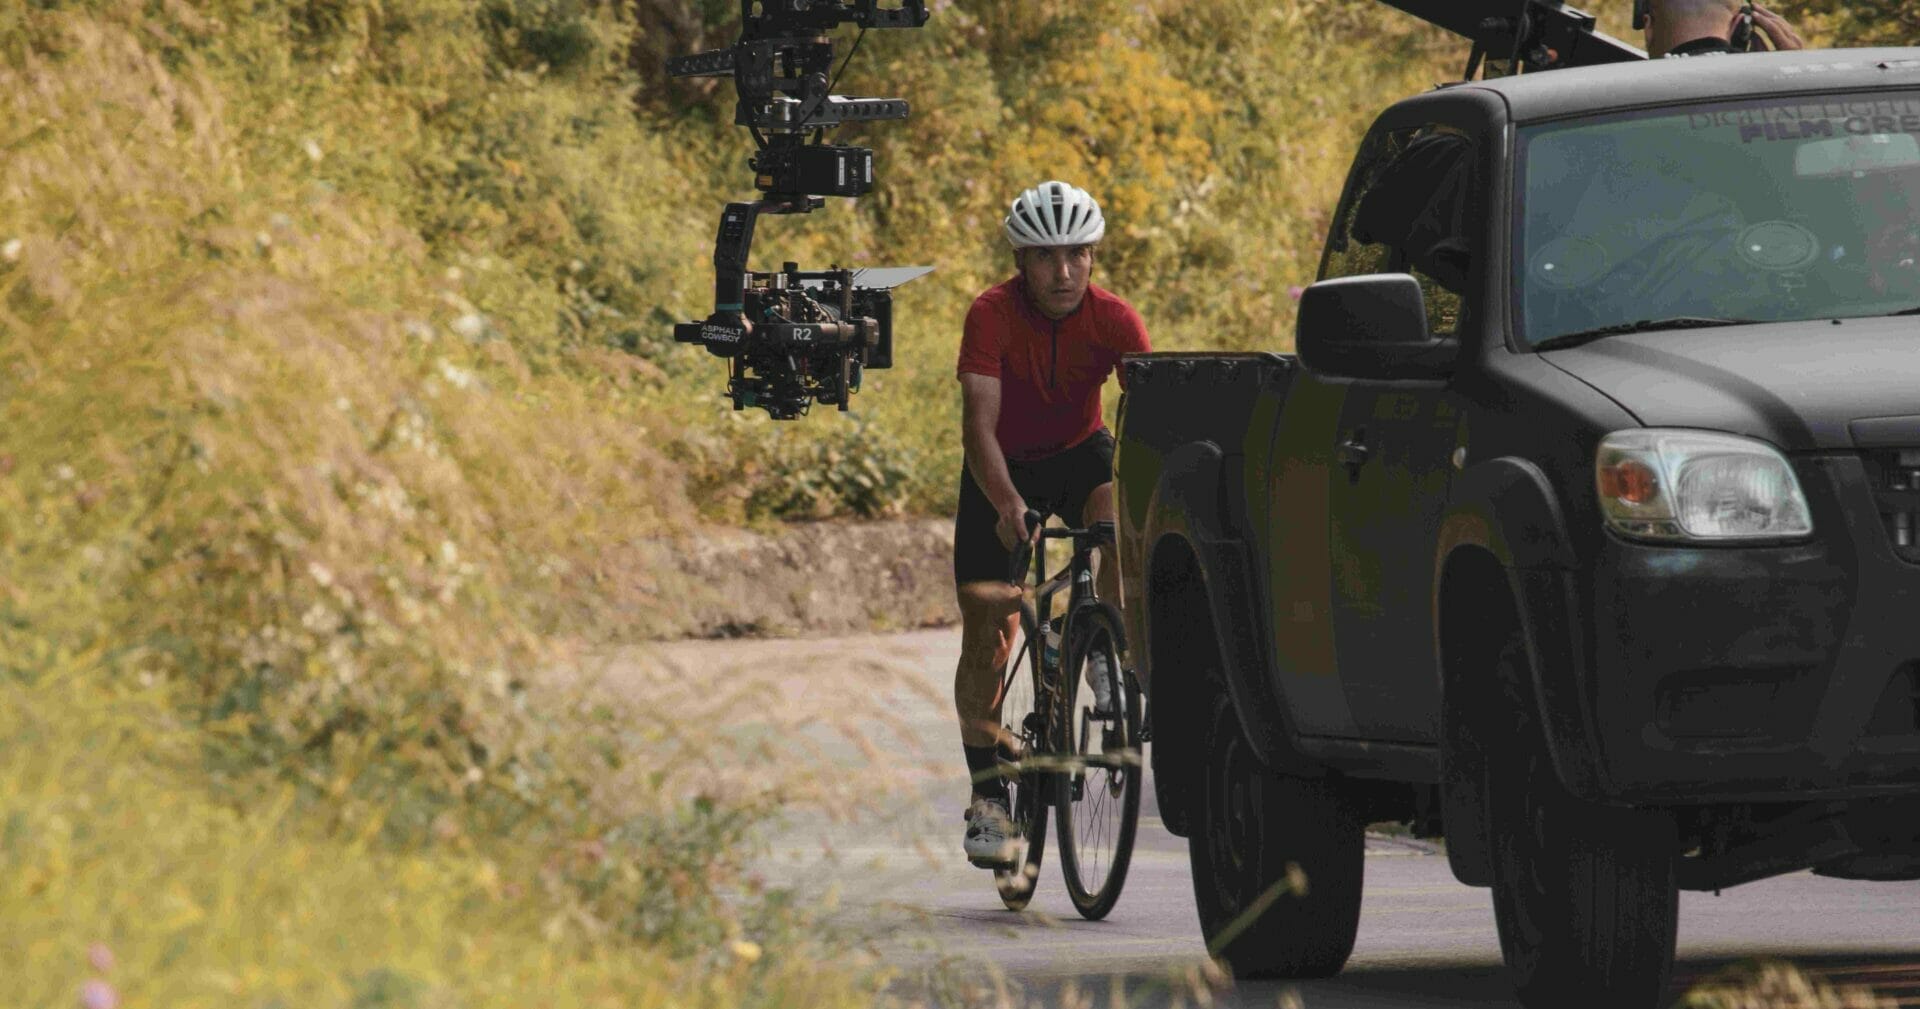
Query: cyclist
{"x": 1034, "y": 354}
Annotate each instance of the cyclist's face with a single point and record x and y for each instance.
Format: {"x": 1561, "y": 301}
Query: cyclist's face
{"x": 1057, "y": 276}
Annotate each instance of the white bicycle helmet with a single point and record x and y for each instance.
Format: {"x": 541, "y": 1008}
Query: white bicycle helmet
{"x": 1054, "y": 213}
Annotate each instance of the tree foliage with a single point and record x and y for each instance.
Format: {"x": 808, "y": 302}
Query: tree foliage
{"x": 1860, "y": 22}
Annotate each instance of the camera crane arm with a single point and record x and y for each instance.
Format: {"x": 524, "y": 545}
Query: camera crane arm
{"x": 1523, "y": 36}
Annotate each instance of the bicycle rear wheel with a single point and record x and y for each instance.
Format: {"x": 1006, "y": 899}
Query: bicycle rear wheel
{"x": 1024, "y": 727}
{"x": 1098, "y": 798}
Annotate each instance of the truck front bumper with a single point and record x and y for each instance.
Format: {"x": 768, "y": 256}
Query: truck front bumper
{"x": 1733, "y": 674}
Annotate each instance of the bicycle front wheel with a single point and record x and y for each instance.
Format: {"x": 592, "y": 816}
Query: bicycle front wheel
{"x": 1098, "y": 797}
{"x": 1023, "y": 729}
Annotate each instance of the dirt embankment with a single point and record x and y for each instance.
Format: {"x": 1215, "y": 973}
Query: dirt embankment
{"x": 806, "y": 579}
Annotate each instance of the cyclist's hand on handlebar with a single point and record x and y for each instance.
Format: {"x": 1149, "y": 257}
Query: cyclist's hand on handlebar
{"x": 1016, "y": 525}
{"x": 1021, "y": 550}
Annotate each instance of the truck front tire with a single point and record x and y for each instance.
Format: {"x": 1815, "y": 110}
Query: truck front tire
{"x": 1584, "y": 895}
{"x": 1277, "y": 863}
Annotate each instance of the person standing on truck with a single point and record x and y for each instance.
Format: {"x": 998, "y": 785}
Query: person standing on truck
{"x": 1706, "y": 27}
{"x": 1034, "y": 354}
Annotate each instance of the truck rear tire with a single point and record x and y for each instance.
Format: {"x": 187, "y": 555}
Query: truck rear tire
{"x": 1277, "y": 863}
{"x": 1584, "y": 895}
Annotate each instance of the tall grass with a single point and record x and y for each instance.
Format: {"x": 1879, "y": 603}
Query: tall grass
{"x": 127, "y": 883}
{"x": 315, "y": 428}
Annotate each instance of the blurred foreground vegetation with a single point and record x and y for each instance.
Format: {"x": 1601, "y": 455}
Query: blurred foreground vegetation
{"x": 336, "y": 384}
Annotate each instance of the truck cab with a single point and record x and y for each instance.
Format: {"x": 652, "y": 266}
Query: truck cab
{"x": 1579, "y": 527}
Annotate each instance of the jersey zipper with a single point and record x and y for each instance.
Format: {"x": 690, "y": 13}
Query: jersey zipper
{"x": 1053, "y": 380}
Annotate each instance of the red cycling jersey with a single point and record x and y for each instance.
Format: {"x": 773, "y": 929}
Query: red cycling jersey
{"x": 1050, "y": 371}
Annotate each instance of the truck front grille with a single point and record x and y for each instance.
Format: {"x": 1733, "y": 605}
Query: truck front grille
{"x": 1895, "y": 474}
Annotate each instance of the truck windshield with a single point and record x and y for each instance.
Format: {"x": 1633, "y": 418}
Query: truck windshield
{"x": 1768, "y": 211}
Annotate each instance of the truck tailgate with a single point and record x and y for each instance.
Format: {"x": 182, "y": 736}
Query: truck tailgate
{"x": 1174, "y": 398}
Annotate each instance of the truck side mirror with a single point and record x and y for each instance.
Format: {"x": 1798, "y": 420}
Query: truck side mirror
{"x": 1370, "y": 327}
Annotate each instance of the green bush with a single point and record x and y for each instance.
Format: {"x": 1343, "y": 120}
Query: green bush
{"x": 855, "y": 469}
{"x": 548, "y": 36}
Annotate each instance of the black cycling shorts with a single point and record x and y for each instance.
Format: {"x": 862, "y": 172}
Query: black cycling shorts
{"x": 1057, "y": 485}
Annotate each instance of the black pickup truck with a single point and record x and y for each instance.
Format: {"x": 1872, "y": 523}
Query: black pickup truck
{"x": 1583, "y": 530}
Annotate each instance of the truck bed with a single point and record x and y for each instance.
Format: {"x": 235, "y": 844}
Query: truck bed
{"x": 1197, "y": 427}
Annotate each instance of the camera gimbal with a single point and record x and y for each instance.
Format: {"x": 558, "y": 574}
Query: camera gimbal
{"x": 792, "y": 337}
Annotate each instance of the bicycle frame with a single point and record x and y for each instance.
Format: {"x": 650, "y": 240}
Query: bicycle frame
{"x": 1076, "y": 579}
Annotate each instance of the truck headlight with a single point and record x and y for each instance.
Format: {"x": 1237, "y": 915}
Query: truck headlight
{"x": 1697, "y": 485}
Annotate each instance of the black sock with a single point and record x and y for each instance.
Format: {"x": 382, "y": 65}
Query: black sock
{"x": 984, "y": 764}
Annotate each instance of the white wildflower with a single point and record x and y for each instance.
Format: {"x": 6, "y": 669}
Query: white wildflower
{"x": 498, "y": 683}
{"x": 319, "y": 619}
{"x": 320, "y": 573}
{"x": 340, "y": 657}
{"x": 312, "y": 147}
{"x": 63, "y": 471}
{"x": 470, "y": 325}
{"x": 458, "y": 377}
{"x": 11, "y": 250}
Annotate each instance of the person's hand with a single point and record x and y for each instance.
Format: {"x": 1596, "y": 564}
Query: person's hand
{"x": 1780, "y": 35}
{"x": 1012, "y": 527}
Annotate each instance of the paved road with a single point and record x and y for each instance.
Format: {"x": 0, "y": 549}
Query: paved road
{"x": 1425, "y": 940}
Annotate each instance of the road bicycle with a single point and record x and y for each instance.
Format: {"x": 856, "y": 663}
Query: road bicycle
{"x": 1070, "y": 755}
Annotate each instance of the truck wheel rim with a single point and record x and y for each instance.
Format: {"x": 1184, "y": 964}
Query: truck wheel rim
{"x": 1239, "y": 842}
{"x": 1524, "y": 849}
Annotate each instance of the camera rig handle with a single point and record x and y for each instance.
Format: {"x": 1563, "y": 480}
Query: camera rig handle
{"x": 1522, "y": 36}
